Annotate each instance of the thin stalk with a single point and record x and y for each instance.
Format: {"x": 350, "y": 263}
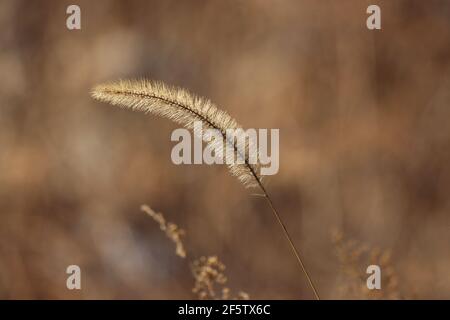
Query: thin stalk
{"x": 292, "y": 245}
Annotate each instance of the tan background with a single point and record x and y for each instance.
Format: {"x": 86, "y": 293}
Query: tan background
{"x": 365, "y": 145}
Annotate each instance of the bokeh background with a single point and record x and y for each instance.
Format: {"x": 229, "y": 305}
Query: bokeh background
{"x": 365, "y": 147}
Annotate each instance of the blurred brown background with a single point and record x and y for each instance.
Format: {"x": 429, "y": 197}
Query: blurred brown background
{"x": 365, "y": 145}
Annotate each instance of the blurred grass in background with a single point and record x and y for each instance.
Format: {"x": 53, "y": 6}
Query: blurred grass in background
{"x": 365, "y": 144}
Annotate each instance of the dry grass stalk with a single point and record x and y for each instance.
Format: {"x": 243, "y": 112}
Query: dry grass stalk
{"x": 185, "y": 108}
{"x": 172, "y": 231}
{"x": 208, "y": 272}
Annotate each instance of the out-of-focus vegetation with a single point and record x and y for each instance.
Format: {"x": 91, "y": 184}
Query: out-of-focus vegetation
{"x": 365, "y": 144}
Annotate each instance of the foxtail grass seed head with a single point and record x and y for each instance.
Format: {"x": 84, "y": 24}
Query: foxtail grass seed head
{"x": 223, "y": 134}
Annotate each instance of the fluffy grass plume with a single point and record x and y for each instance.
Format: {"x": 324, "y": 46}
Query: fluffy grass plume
{"x": 185, "y": 108}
